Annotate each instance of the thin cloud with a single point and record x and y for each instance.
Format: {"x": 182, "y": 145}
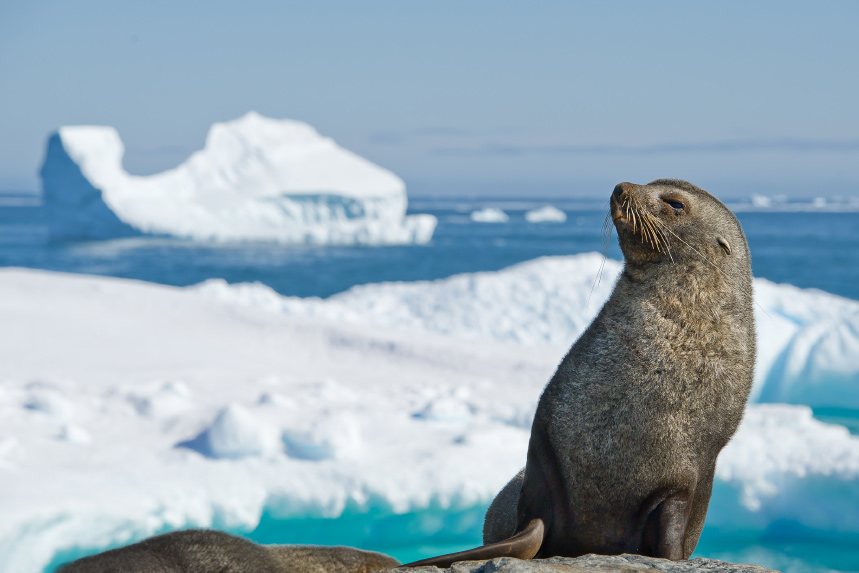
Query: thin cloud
{"x": 727, "y": 146}
{"x": 387, "y": 138}
{"x": 443, "y": 131}
{"x": 393, "y": 137}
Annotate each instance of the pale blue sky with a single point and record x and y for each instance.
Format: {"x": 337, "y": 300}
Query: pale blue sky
{"x": 457, "y": 95}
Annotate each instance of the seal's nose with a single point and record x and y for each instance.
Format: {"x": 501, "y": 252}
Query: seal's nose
{"x": 620, "y": 189}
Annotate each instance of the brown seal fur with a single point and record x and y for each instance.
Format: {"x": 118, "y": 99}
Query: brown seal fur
{"x": 625, "y": 438}
{"x": 205, "y": 551}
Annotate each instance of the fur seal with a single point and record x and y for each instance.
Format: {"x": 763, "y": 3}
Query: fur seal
{"x": 625, "y": 437}
{"x": 205, "y": 551}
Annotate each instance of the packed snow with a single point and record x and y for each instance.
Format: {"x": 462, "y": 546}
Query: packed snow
{"x": 256, "y": 178}
{"x": 489, "y": 215}
{"x": 131, "y": 408}
{"x": 808, "y": 340}
{"x": 547, "y": 214}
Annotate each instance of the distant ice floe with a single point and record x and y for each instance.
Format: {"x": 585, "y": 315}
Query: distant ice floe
{"x": 781, "y": 203}
{"x": 547, "y": 214}
{"x": 216, "y": 404}
{"x": 256, "y": 179}
{"x": 489, "y": 215}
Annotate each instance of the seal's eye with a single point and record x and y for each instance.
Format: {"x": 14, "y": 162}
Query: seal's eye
{"x": 676, "y": 205}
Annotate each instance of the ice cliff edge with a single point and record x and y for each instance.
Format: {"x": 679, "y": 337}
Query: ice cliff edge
{"x": 256, "y": 178}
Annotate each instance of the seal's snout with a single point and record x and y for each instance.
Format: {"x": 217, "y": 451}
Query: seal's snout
{"x": 620, "y": 191}
{"x": 630, "y": 212}
{"x": 620, "y": 201}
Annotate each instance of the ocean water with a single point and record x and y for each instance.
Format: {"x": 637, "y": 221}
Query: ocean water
{"x": 807, "y": 249}
{"x": 456, "y": 531}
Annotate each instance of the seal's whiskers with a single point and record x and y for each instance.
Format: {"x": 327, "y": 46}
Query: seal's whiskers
{"x": 607, "y": 228}
{"x": 650, "y": 232}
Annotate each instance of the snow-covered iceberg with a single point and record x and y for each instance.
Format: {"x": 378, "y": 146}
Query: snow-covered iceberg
{"x": 255, "y": 179}
{"x": 403, "y": 407}
{"x": 785, "y": 472}
{"x": 808, "y": 340}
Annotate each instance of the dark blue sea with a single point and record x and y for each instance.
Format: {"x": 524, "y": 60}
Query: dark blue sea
{"x": 808, "y": 249}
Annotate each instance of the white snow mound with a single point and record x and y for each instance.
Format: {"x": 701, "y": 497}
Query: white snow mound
{"x": 550, "y": 300}
{"x": 236, "y": 433}
{"x": 255, "y": 179}
{"x": 808, "y": 340}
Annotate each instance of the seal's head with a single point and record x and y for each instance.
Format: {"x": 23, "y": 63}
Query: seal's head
{"x": 674, "y": 222}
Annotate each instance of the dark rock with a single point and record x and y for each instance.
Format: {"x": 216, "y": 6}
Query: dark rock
{"x": 591, "y": 564}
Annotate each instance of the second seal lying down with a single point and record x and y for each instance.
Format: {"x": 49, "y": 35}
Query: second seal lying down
{"x": 625, "y": 438}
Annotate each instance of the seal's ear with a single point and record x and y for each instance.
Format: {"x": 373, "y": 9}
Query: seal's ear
{"x": 726, "y": 246}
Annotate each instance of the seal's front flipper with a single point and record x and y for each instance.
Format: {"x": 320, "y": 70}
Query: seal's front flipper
{"x": 523, "y": 545}
{"x": 665, "y": 532}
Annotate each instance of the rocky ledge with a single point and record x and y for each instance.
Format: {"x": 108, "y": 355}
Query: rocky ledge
{"x": 591, "y": 564}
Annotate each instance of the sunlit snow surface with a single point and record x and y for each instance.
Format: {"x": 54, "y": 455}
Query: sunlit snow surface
{"x": 808, "y": 340}
{"x": 130, "y": 408}
{"x": 256, "y": 179}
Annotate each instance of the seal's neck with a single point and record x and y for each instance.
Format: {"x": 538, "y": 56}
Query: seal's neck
{"x": 687, "y": 288}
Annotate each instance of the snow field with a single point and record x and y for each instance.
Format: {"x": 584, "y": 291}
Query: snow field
{"x": 808, "y": 340}
{"x": 129, "y": 408}
{"x": 200, "y": 413}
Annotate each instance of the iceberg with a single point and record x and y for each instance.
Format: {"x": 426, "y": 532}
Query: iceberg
{"x": 808, "y": 347}
{"x": 545, "y": 301}
{"x": 400, "y": 408}
{"x": 489, "y": 215}
{"x": 808, "y": 340}
{"x": 547, "y": 214}
{"x": 256, "y": 179}
{"x": 786, "y": 473}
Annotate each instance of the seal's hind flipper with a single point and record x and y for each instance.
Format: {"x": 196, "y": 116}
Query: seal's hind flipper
{"x": 523, "y": 545}
{"x": 665, "y": 530}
